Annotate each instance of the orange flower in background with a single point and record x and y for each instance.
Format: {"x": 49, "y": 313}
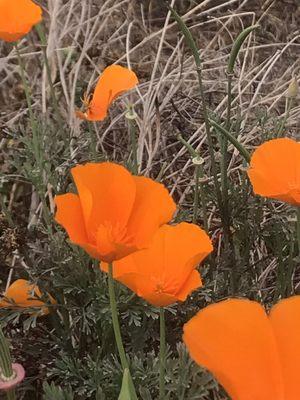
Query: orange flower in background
{"x": 254, "y": 356}
{"x": 17, "y": 17}
{"x": 165, "y": 272}
{"x": 23, "y": 294}
{"x": 275, "y": 170}
{"x": 114, "y": 81}
{"x": 114, "y": 213}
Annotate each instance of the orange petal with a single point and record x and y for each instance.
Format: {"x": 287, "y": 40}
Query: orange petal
{"x": 114, "y": 80}
{"x": 275, "y": 169}
{"x": 109, "y": 248}
{"x": 107, "y": 193}
{"x": 186, "y": 245}
{"x": 69, "y": 215}
{"x": 285, "y": 319}
{"x": 17, "y": 18}
{"x": 163, "y": 273}
{"x": 152, "y": 208}
{"x": 21, "y": 293}
{"x": 192, "y": 283}
{"x": 234, "y": 340}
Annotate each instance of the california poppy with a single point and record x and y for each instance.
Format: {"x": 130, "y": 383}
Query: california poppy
{"x": 17, "y": 18}
{"x": 254, "y": 356}
{"x": 23, "y": 294}
{"x": 165, "y": 272}
{"x": 114, "y": 81}
{"x": 114, "y": 213}
{"x": 275, "y": 170}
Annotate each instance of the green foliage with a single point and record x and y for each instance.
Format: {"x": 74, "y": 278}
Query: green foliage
{"x": 52, "y": 392}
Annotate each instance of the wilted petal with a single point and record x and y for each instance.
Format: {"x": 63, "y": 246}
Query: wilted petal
{"x": 114, "y": 81}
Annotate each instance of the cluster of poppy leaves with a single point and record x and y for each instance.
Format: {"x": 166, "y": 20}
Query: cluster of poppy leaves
{"x": 123, "y": 219}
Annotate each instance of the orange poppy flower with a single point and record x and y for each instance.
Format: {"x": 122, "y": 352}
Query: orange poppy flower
{"x": 22, "y": 294}
{"x": 166, "y": 271}
{"x": 114, "y": 213}
{"x": 17, "y": 18}
{"x": 114, "y": 81}
{"x": 254, "y": 356}
{"x": 275, "y": 170}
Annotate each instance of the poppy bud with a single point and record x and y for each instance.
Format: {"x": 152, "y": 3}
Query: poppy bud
{"x": 293, "y": 89}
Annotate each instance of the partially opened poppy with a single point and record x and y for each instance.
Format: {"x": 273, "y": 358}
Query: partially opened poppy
{"x": 17, "y": 17}
{"x": 114, "y": 213}
{"x": 114, "y": 81}
{"x": 165, "y": 272}
{"x": 275, "y": 170}
{"x": 254, "y": 356}
{"x": 23, "y": 294}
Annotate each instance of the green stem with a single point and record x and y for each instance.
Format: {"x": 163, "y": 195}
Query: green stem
{"x": 288, "y": 107}
{"x": 195, "y": 52}
{"x": 243, "y": 152}
{"x": 162, "y": 354}
{"x": 131, "y": 116}
{"x": 224, "y": 147}
{"x": 116, "y": 327}
{"x": 6, "y": 363}
{"x": 196, "y": 194}
{"x": 298, "y": 229}
{"x": 199, "y": 189}
{"x": 11, "y": 395}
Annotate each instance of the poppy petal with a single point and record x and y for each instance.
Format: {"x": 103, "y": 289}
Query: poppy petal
{"x": 275, "y": 169}
{"x": 114, "y": 80}
{"x": 17, "y": 18}
{"x": 285, "y": 319}
{"x": 21, "y": 293}
{"x": 152, "y": 208}
{"x": 69, "y": 215}
{"x": 234, "y": 340}
{"x": 107, "y": 193}
{"x": 186, "y": 245}
{"x": 192, "y": 283}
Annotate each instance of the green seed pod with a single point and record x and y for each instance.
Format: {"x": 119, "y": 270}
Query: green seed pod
{"x": 237, "y": 46}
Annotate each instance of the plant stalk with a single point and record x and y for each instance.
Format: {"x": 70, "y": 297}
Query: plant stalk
{"x": 192, "y": 45}
{"x": 6, "y": 363}
{"x": 162, "y": 354}
{"x": 116, "y": 327}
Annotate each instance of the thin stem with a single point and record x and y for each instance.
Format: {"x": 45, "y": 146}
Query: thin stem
{"x": 288, "y": 106}
{"x": 199, "y": 189}
{"x": 196, "y": 194}
{"x": 162, "y": 354}
{"x": 298, "y": 229}
{"x": 243, "y": 152}
{"x": 195, "y": 52}
{"x": 116, "y": 327}
{"x": 11, "y": 395}
{"x": 115, "y": 319}
{"x": 224, "y": 147}
{"x": 131, "y": 116}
